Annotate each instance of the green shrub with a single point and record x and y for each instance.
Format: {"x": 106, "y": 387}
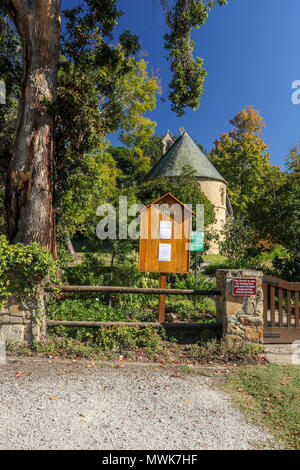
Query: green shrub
{"x": 24, "y": 269}
{"x": 211, "y": 269}
{"x": 240, "y": 244}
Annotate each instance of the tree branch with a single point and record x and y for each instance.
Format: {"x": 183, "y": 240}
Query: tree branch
{"x": 19, "y": 12}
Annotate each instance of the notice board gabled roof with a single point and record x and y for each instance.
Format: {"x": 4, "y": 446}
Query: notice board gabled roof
{"x": 184, "y": 152}
{"x": 173, "y": 197}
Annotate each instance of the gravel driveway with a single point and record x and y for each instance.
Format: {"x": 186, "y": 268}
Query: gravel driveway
{"x": 66, "y": 405}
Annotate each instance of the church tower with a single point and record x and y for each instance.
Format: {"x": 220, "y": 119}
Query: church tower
{"x": 182, "y": 153}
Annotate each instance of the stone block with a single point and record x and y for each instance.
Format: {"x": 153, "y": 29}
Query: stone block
{"x": 4, "y": 319}
{"x": 249, "y": 307}
{"x": 12, "y": 333}
{"x": 233, "y": 307}
{"x": 16, "y": 309}
{"x": 16, "y": 320}
{"x": 254, "y": 334}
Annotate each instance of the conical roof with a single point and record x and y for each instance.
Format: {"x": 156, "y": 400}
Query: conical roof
{"x": 184, "y": 152}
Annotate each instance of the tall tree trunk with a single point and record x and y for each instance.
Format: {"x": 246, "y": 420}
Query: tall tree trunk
{"x": 29, "y": 190}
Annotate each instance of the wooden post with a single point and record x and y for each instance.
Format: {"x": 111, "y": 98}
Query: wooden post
{"x": 162, "y": 298}
{"x": 196, "y": 275}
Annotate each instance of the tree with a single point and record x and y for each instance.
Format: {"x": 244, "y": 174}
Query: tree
{"x": 153, "y": 149}
{"x": 186, "y": 86}
{"x": 292, "y": 160}
{"x": 132, "y": 164}
{"x": 242, "y": 158}
{"x": 29, "y": 195}
{"x": 29, "y": 198}
{"x": 85, "y": 175}
{"x": 278, "y": 211}
{"x": 240, "y": 244}
{"x": 276, "y": 216}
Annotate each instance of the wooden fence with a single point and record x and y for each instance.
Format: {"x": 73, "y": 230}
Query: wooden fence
{"x": 132, "y": 290}
{"x": 281, "y": 310}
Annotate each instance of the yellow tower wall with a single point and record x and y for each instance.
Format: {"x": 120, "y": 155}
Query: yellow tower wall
{"x": 215, "y": 191}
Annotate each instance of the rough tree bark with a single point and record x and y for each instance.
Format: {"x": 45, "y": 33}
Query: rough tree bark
{"x": 29, "y": 190}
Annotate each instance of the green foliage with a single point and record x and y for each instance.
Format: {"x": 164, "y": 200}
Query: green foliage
{"x": 11, "y": 74}
{"x": 239, "y": 244}
{"x": 186, "y": 86}
{"x": 211, "y": 268}
{"x": 108, "y": 338}
{"x": 80, "y": 309}
{"x": 191, "y": 282}
{"x": 279, "y": 212}
{"x": 185, "y": 307}
{"x": 24, "y": 269}
{"x": 276, "y": 217}
{"x": 153, "y": 149}
{"x": 132, "y": 165}
{"x": 92, "y": 343}
{"x": 292, "y": 160}
{"x": 288, "y": 267}
{"x": 101, "y": 88}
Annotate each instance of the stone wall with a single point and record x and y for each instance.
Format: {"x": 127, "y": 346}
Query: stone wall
{"x": 241, "y": 316}
{"x": 21, "y": 324}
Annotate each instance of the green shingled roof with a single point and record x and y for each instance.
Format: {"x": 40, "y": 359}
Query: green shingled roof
{"x": 184, "y": 152}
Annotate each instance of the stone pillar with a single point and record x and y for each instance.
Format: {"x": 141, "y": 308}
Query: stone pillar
{"x": 241, "y": 317}
{"x": 21, "y": 323}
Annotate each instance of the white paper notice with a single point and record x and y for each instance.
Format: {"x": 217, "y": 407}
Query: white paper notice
{"x": 164, "y": 252}
{"x": 165, "y": 230}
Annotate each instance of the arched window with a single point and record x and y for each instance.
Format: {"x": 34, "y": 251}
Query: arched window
{"x": 222, "y": 191}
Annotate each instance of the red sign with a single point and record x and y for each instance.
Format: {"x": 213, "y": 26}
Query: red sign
{"x": 244, "y": 286}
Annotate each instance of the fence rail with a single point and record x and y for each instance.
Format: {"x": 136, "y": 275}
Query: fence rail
{"x": 100, "y": 324}
{"x": 131, "y": 290}
{"x": 134, "y": 290}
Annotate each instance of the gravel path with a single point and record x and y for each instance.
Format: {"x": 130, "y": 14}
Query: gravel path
{"x": 66, "y": 405}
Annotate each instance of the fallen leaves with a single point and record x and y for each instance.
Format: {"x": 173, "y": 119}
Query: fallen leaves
{"x": 176, "y": 374}
{"x": 53, "y": 397}
{"x": 18, "y": 374}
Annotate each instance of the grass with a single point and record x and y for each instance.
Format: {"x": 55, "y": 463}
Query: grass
{"x": 271, "y": 394}
{"x": 214, "y": 258}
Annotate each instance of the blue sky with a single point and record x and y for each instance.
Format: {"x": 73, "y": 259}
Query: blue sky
{"x": 251, "y": 51}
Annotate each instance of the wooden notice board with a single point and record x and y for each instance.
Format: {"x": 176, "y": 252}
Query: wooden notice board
{"x": 165, "y": 235}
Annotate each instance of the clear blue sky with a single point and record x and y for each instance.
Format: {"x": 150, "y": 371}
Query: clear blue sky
{"x": 251, "y": 51}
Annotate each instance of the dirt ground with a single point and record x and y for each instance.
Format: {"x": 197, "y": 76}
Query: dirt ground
{"x": 65, "y": 404}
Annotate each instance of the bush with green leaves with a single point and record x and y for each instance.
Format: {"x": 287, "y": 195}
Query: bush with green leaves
{"x": 240, "y": 244}
{"x": 288, "y": 267}
{"x": 24, "y": 270}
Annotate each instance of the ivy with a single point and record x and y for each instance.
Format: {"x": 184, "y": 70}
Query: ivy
{"x": 24, "y": 270}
